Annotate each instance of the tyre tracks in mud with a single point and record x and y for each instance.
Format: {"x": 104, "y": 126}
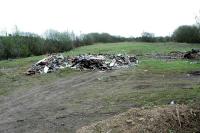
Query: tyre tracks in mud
{"x": 26, "y": 110}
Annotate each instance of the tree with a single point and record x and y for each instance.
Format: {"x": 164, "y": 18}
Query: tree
{"x": 59, "y": 41}
{"x": 87, "y": 39}
{"x": 16, "y": 31}
{"x": 198, "y": 20}
{"x": 148, "y": 37}
{"x": 2, "y": 54}
{"x": 187, "y": 33}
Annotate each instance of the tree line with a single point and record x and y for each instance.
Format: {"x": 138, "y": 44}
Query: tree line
{"x": 183, "y": 34}
{"x": 187, "y": 34}
{"x": 24, "y": 44}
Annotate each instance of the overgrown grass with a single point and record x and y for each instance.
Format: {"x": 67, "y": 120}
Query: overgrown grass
{"x": 127, "y": 47}
{"x": 133, "y": 48}
{"x": 12, "y": 71}
{"x": 157, "y": 97}
{"x": 105, "y": 94}
{"x": 174, "y": 66}
{"x": 21, "y": 62}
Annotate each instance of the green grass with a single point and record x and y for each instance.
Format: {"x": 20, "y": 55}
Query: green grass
{"x": 157, "y": 97}
{"x": 16, "y": 79}
{"x": 133, "y": 48}
{"x": 163, "y": 66}
{"x": 21, "y": 62}
{"x": 127, "y": 47}
{"x": 12, "y": 71}
{"x": 152, "y": 82}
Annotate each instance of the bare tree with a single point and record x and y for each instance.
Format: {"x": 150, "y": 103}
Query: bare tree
{"x": 197, "y": 18}
{"x": 3, "y": 32}
{"x": 16, "y": 30}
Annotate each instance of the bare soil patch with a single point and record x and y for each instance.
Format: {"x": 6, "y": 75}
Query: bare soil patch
{"x": 68, "y": 103}
{"x": 172, "y": 118}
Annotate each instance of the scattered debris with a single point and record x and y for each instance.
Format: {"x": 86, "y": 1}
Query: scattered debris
{"x": 177, "y": 54}
{"x": 173, "y": 55}
{"x": 141, "y": 119}
{"x": 62, "y": 124}
{"x": 82, "y": 62}
{"x": 49, "y": 64}
{"x": 20, "y": 120}
{"x": 103, "y": 78}
{"x": 195, "y": 73}
{"x": 169, "y": 56}
{"x": 172, "y": 102}
{"x": 129, "y": 121}
{"x": 60, "y": 117}
{"x": 193, "y": 54}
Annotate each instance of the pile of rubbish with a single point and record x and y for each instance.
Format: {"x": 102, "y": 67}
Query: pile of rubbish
{"x": 82, "y": 62}
{"x": 193, "y": 54}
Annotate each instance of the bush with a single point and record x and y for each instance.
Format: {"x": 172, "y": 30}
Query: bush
{"x": 105, "y": 38}
{"x": 148, "y": 37}
{"x": 87, "y": 39}
{"x": 24, "y": 44}
{"x": 187, "y": 33}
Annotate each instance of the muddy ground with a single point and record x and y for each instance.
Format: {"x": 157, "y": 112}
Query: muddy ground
{"x": 68, "y": 103}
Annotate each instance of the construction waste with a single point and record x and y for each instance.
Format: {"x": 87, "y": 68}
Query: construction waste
{"x": 173, "y": 55}
{"x": 82, "y": 62}
{"x": 193, "y": 54}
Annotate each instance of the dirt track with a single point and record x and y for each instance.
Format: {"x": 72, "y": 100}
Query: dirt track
{"x": 44, "y": 107}
{"x": 66, "y": 104}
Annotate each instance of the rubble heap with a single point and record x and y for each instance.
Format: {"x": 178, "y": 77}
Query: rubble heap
{"x": 193, "y": 54}
{"x": 82, "y": 62}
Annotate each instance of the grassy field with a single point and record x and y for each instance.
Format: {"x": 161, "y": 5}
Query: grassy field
{"x": 153, "y": 82}
{"x": 136, "y": 48}
{"x": 12, "y": 71}
{"x": 128, "y": 48}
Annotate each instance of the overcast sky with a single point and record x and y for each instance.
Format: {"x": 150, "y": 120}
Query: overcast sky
{"x": 117, "y": 17}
